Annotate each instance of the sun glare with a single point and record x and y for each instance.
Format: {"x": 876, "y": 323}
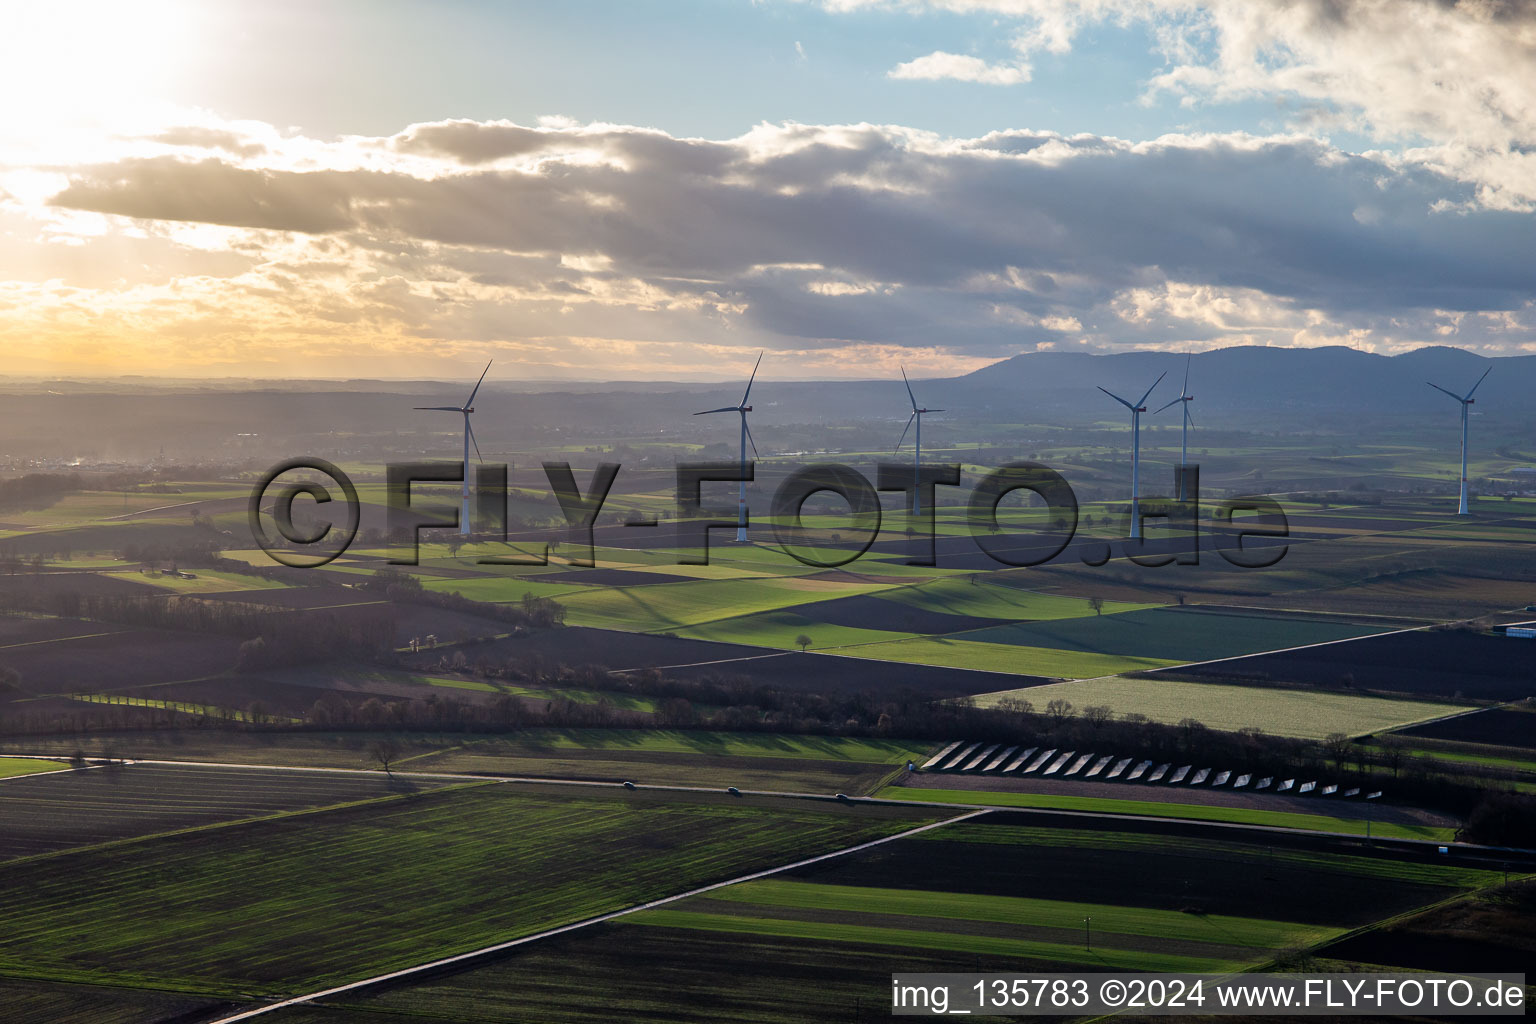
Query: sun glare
{"x": 86, "y": 62}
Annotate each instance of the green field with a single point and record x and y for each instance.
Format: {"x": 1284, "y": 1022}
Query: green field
{"x": 324, "y": 897}
{"x": 11, "y": 767}
{"x": 1151, "y": 808}
{"x": 1028, "y": 661}
{"x": 1309, "y": 714}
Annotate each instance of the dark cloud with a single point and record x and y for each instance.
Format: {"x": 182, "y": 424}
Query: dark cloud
{"x": 199, "y": 137}
{"x": 914, "y": 240}
{"x": 214, "y": 192}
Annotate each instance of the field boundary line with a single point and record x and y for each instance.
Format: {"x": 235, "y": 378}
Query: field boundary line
{"x": 588, "y": 922}
{"x": 528, "y": 780}
{"x": 107, "y": 844}
{"x": 56, "y": 771}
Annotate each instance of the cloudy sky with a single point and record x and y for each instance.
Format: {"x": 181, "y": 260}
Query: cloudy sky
{"x": 647, "y": 189}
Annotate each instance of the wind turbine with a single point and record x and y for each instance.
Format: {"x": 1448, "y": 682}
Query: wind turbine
{"x": 1136, "y": 411}
{"x": 1185, "y": 397}
{"x": 1465, "y": 401}
{"x": 469, "y": 438}
{"x": 746, "y": 438}
{"x": 917, "y": 454}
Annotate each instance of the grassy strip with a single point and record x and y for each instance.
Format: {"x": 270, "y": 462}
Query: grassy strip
{"x": 1104, "y": 959}
{"x": 11, "y": 767}
{"x": 1193, "y": 812}
{"x": 1019, "y": 660}
{"x": 1172, "y": 925}
{"x": 1380, "y": 868}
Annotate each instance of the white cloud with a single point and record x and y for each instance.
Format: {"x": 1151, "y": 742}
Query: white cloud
{"x": 960, "y": 68}
{"x": 1455, "y": 80}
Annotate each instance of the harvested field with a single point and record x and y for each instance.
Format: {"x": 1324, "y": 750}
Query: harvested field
{"x": 1171, "y": 867}
{"x": 832, "y": 674}
{"x": 1172, "y": 634}
{"x": 306, "y": 749}
{"x": 614, "y": 972}
{"x": 1503, "y": 727}
{"x": 1431, "y": 663}
{"x": 115, "y": 658}
{"x": 97, "y": 805}
{"x": 885, "y": 613}
{"x": 33, "y": 585}
{"x": 745, "y": 760}
{"x": 1487, "y": 933}
{"x": 1309, "y": 714}
{"x": 55, "y": 1003}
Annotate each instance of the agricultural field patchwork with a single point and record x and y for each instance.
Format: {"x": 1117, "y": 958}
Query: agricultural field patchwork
{"x": 350, "y": 892}
{"x": 991, "y": 894}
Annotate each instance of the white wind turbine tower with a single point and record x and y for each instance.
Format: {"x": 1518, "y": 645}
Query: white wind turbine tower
{"x": 746, "y": 437}
{"x": 1136, "y": 411}
{"x": 917, "y": 454}
{"x": 1466, "y": 401}
{"x": 469, "y": 438}
{"x": 1184, "y": 398}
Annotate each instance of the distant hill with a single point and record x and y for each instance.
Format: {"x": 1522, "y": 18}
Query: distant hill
{"x": 1330, "y": 390}
{"x": 1333, "y": 379}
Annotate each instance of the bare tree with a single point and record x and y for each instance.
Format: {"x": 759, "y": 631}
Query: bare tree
{"x": 386, "y": 752}
{"x": 1059, "y": 710}
{"x": 804, "y": 640}
{"x": 1393, "y": 754}
{"x": 1097, "y": 715}
{"x": 1337, "y": 744}
{"x": 1097, "y": 604}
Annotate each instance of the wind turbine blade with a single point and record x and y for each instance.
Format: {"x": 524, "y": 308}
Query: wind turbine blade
{"x": 748, "y": 429}
{"x": 1187, "y": 417}
{"x": 752, "y": 378}
{"x": 1185, "y": 389}
{"x": 1442, "y": 390}
{"x": 1117, "y": 398}
{"x": 477, "y": 386}
{"x": 1154, "y": 384}
{"x": 471, "y": 430}
{"x": 438, "y": 408}
{"x": 1479, "y": 382}
{"x": 909, "y": 388}
{"x": 1176, "y": 401}
{"x": 904, "y": 432}
{"x": 728, "y": 408}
